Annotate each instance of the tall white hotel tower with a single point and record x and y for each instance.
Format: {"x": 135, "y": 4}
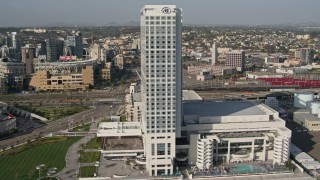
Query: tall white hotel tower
{"x": 161, "y": 85}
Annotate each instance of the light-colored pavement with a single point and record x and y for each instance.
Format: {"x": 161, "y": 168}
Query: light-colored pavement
{"x": 108, "y": 168}
{"x": 90, "y": 150}
{"x": 71, "y": 171}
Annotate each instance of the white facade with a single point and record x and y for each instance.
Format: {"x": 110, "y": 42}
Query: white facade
{"x": 161, "y": 85}
{"x": 223, "y": 132}
{"x": 119, "y": 129}
{"x": 214, "y": 54}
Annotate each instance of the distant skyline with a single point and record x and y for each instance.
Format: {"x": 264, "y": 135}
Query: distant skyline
{"x": 102, "y": 12}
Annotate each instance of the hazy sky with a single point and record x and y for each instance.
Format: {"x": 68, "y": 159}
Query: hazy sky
{"x": 101, "y": 12}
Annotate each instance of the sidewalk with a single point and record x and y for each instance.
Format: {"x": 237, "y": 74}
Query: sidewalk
{"x": 70, "y": 172}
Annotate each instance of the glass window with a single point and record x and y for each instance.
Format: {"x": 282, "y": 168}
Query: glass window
{"x": 152, "y": 149}
{"x": 161, "y": 149}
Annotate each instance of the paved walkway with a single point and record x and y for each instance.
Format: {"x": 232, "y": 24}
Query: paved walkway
{"x": 87, "y": 164}
{"x": 90, "y": 150}
{"x": 70, "y": 172}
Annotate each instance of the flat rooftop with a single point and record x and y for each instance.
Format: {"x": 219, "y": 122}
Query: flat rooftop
{"x": 125, "y": 143}
{"x": 222, "y": 108}
{"x": 190, "y": 95}
{"x": 136, "y": 97}
{"x": 118, "y": 129}
{"x": 305, "y": 114}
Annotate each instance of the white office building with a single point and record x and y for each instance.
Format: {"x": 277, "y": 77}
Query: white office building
{"x": 161, "y": 87}
{"x": 214, "y": 51}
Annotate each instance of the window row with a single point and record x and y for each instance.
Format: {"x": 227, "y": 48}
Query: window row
{"x": 160, "y": 37}
{"x": 168, "y": 51}
{"x": 163, "y": 42}
{"x": 169, "y": 56}
{"x": 158, "y": 47}
{"x": 159, "y": 17}
{"x": 161, "y": 131}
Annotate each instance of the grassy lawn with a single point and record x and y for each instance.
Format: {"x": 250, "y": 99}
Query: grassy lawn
{"x": 88, "y": 171}
{"x": 89, "y": 157}
{"x": 94, "y": 143}
{"x": 55, "y": 113}
{"x": 84, "y": 127}
{"x": 22, "y": 165}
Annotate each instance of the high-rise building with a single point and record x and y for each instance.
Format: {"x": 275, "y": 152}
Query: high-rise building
{"x": 305, "y": 54}
{"x": 59, "y": 47}
{"x": 235, "y": 59}
{"x": 120, "y": 61}
{"x": 51, "y": 49}
{"x": 43, "y": 48}
{"x": 27, "y": 59}
{"x": 13, "y": 42}
{"x": 74, "y": 44}
{"x": 214, "y": 54}
{"x": 2, "y": 39}
{"x": 78, "y": 44}
{"x": 161, "y": 85}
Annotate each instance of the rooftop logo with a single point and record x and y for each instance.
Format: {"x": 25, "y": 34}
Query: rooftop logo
{"x": 166, "y": 10}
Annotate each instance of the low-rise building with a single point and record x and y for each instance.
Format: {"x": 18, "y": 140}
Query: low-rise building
{"x": 214, "y": 70}
{"x": 221, "y": 132}
{"x": 43, "y": 80}
{"x": 256, "y": 75}
{"x": 233, "y": 131}
{"x": 7, "y": 122}
{"x": 306, "y": 119}
{"x": 204, "y": 75}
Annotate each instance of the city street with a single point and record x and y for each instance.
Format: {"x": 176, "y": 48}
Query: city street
{"x": 99, "y": 111}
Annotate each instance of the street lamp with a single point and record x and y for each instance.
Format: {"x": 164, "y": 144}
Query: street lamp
{"x": 38, "y": 167}
{"x": 97, "y": 165}
{"x": 79, "y": 165}
{"x": 51, "y": 171}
